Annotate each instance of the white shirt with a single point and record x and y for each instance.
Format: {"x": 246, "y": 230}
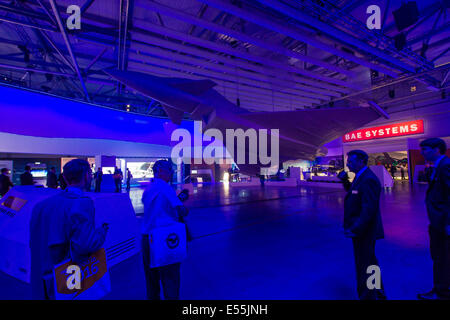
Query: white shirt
{"x": 159, "y": 201}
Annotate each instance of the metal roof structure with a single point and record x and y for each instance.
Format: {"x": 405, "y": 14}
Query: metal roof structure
{"x": 264, "y": 55}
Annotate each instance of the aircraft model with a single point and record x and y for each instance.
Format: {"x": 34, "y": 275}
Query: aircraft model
{"x": 302, "y": 133}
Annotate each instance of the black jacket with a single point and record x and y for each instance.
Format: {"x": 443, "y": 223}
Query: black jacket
{"x": 52, "y": 180}
{"x": 362, "y": 206}
{"x": 437, "y": 199}
{"x": 26, "y": 179}
{"x": 5, "y": 184}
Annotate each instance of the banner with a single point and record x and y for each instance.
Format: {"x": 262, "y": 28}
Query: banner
{"x": 387, "y": 131}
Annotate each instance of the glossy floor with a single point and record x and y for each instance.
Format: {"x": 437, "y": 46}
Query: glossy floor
{"x": 292, "y": 247}
{"x": 287, "y": 243}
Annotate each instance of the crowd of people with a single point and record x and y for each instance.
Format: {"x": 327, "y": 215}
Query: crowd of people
{"x": 54, "y": 181}
{"x": 63, "y": 226}
{"x": 393, "y": 169}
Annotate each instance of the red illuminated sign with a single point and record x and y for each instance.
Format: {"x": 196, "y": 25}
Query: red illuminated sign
{"x": 388, "y": 131}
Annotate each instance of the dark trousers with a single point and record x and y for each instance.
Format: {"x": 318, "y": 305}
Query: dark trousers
{"x": 364, "y": 252}
{"x": 118, "y": 185}
{"x": 440, "y": 254}
{"x": 98, "y": 185}
{"x": 167, "y": 276}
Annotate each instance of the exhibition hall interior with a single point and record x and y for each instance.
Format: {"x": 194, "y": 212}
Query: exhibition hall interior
{"x": 224, "y": 150}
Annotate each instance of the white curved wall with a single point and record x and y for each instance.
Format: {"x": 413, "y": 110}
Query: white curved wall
{"x": 13, "y": 143}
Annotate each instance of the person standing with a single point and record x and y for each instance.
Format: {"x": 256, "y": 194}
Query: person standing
{"x": 362, "y": 220}
{"x": 98, "y": 179}
{"x": 437, "y": 201}
{"x": 5, "y": 182}
{"x": 393, "y": 170}
{"x": 118, "y": 176}
{"x": 52, "y": 179}
{"x": 26, "y": 178}
{"x": 129, "y": 177}
{"x": 63, "y": 227}
{"x": 261, "y": 179}
{"x": 162, "y": 207}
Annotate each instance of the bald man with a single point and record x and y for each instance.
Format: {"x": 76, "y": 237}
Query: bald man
{"x": 162, "y": 207}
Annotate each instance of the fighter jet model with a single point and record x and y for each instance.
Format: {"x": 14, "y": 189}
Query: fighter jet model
{"x": 302, "y": 133}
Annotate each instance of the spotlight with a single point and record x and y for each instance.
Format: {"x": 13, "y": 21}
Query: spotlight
{"x": 392, "y": 93}
{"x": 413, "y": 88}
{"x": 374, "y": 73}
{"x": 26, "y": 52}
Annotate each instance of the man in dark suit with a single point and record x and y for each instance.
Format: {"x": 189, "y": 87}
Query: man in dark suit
{"x": 26, "y": 178}
{"x": 52, "y": 179}
{"x": 437, "y": 201}
{"x": 362, "y": 222}
{"x": 5, "y": 182}
{"x": 98, "y": 179}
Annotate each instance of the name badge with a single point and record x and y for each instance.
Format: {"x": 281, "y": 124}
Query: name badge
{"x": 354, "y": 191}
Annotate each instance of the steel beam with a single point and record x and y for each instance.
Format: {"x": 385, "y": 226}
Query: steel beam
{"x": 218, "y": 75}
{"x": 49, "y": 14}
{"x": 243, "y": 37}
{"x": 232, "y": 52}
{"x": 442, "y": 29}
{"x": 123, "y": 30}
{"x": 243, "y": 75}
{"x": 337, "y": 34}
{"x": 441, "y": 54}
{"x": 379, "y": 110}
{"x": 86, "y": 5}
{"x": 49, "y": 40}
{"x": 95, "y": 59}
{"x": 259, "y": 73}
{"x": 26, "y": 24}
{"x": 210, "y": 45}
{"x": 69, "y": 48}
{"x": 224, "y": 86}
{"x": 19, "y": 68}
{"x": 271, "y": 25}
{"x": 288, "y": 31}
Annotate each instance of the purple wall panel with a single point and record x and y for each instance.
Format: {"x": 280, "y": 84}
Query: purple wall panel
{"x": 34, "y": 114}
